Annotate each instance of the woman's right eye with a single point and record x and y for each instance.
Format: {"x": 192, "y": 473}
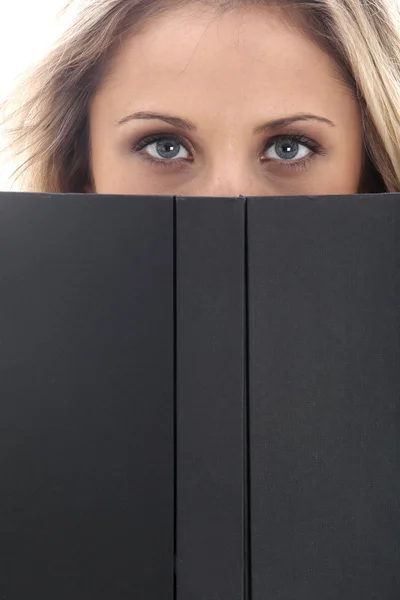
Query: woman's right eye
{"x": 163, "y": 149}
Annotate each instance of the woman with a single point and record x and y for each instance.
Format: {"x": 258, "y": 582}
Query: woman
{"x": 215, "y": 98}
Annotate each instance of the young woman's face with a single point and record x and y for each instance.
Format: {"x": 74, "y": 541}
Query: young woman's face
{"x": 239, "y": 104}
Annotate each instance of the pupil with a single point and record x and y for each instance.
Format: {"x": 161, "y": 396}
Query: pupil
{"x": 287, "y": 149}
{"x": 168, "y": 148}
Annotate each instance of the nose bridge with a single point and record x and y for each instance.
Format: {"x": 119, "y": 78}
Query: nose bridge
{"x": 225, "y": 185}
{"x": 230, "y": 167}
{"x": 230, "y": 173}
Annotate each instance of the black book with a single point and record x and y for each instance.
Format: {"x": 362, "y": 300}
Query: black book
{"x": 199, "y": 397}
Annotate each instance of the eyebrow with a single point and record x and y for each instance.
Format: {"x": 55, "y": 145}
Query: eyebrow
{"x": 289, "y": 120}
{"x": 175, "y": 121}
{"x": 189, "y": 126}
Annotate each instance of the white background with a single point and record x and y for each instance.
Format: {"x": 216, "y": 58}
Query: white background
{"x": 27, "y": 27}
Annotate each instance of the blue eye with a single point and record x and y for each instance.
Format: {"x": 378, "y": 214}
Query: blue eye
{"x": 164, "y": 149}
{"x": 288, "y": 149}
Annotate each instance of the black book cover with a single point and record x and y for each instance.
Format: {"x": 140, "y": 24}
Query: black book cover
{"x": 199, "y": 397}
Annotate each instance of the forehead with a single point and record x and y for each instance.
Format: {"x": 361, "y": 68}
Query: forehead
{"x": 194, "y": 55}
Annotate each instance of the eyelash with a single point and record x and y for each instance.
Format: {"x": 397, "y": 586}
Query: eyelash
{"x": 295, "y": 165}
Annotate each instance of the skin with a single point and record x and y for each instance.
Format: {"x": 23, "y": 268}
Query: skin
{"x": 228, "y": 75}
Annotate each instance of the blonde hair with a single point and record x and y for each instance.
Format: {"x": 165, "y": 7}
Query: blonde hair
{"x": 48, "y": 125}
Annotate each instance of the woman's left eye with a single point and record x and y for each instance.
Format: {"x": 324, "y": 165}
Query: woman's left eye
{"x": 289, "y": 149}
